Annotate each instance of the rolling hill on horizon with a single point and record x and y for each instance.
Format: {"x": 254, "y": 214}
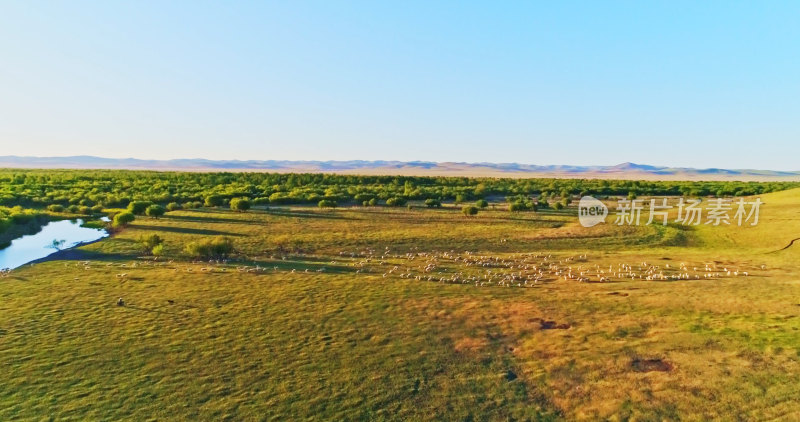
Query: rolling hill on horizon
{"x": 625, "y": 170}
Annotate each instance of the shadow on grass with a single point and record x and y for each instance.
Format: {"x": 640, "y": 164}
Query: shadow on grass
{"x": 205, "y": 219}
{"x": 480, "y": 219}
{"x": 453, "y": 214}
{"x": 285, "y": 212}
{"x": 282, "y": 212}
{"x": 187, "y": 230}
{"x": 566, "y": 212}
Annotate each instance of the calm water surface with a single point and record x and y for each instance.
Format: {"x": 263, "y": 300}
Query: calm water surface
{"x": 32, "y": 247}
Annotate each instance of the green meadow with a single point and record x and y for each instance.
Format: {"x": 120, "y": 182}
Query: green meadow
{"x": 396, "y": 313}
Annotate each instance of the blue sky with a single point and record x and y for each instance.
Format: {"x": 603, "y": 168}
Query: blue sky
{"x": 701, "y": 84}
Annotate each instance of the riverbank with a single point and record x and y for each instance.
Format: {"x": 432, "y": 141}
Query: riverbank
{"x": 15, "y": 231}
{"x": 70, "y": 254}
{"x": 48, "y": 242}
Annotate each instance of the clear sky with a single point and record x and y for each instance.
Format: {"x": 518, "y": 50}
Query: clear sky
{"x": 694, "y": 83}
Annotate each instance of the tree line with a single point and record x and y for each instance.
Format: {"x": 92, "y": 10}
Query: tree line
{"x": 87, "y": 191}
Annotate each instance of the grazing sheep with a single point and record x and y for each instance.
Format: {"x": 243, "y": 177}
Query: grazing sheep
{"x": 523, "y": 270}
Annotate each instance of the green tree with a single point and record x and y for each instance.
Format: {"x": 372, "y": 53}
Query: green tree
{"x": 517, "y": 206}
{"x": 240, "y": 204}
{"x": 151, "y": 241}
{"x": 481, "y": 203}
{"x": 433, "y": 203}
{"x": 213, "y": 201}
{"x": 138, "y": 207}
{"x": 396, "y": 201}
{"x": 155, "y": 211}
{"x": 173, "y": 206}
{"x": 469, "y": 210}
{"x": 327, "y": 203}
{"x": 123, "y": 219}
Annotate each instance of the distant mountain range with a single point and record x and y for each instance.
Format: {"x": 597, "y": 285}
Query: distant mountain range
{"x": 621, "y": 171}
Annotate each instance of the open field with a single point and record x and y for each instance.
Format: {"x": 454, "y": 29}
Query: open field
{"x": 411, "y": 314}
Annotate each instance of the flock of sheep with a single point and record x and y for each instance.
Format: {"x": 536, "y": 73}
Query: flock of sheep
{"x": 525, "y": 270}
{"x": 518, "y": 270}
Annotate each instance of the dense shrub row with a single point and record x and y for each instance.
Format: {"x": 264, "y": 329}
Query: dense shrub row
{"x": 87, "y": 191}
{"x": 17, "y": 221}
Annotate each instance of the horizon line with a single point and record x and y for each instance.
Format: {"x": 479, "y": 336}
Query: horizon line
{"x": 472, "y": 163}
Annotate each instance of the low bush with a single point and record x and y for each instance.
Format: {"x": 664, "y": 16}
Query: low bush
{"x": 138, "y": 207}
{"x": 240, "y": 204}
{"x": 213, "y": 201}
{"x": 217, "y": 247}
{"x": 157, "y": 250}
{"x": 522, "y": 205}
{"x": 469, "y": 210}
{"x": 396, "y": 201}
{"x": 327, "y": 203}
{"x": 433, "y": 203}
{"x": 155, "y": 211}
{"x": 151, "y": 241}
{"x": 123, "y": 219}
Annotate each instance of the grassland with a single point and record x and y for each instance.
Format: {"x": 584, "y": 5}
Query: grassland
{"x": 331, "y": 314}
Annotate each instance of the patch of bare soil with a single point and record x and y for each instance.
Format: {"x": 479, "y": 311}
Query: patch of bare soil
{"x": 552, "y": 325}
{"x": 650, "y": 365}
